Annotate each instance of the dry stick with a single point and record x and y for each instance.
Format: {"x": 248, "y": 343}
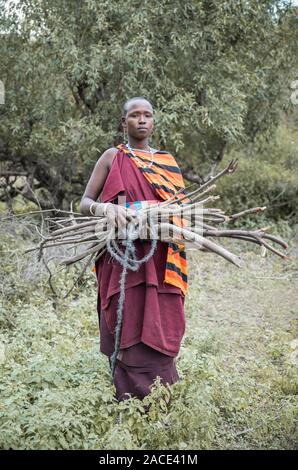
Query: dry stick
{"x": 213, "y": 219}
{"x": 229, "y": 169}
{"x": 56, "y": 224}
{"x": 47, "y": 239}
{"x": 256, "y": 236}
{"x": 76, "y": 236}
{"x": 61, "y": 221}
{"x": 78, "y": 231}
{"x": 211, "y": 214}
{"x": 97, "y": 228}
{"x": 207, "y": 226}
{"x": 198, "y": 239}
{"x": 277, "y": 240}
{"x": 201, "y": 220}
{"x": 179, "y": 191}
{"x": 282, "y": 255}
{"x": 95, "y": 248}
{"x": 249, "y": 235}
{"x": 198, "y": 197}
{"x": 247, "y": 211}
{"x": 64, "y": 219}
{"x": 90, "y": 222}
{"x": 188, "y": 215}
{"x": 252, "y": 240}
{"x": 214, "y": 210}
{"x": 39, "y": 212}
{"x": 216, "y": 215}
{"x": 248, "y": 239}
{"x": 63, "y": 268}
{"x": 197, "y": 194}
{"x": 207, "y": 190}
{"x": 50, "y": 276}
{"x": 80, "y": 275}
{"x": 253, "y": 233}
{"x": 179, "y": 241}
{"x": 72, "y": 218}
{"x": 51, "y": 238}
{"x": 100, "y": 253}
{"x": 73, "y": 242}
{"x": 171, "y": 202}
{"x": 75, "y": 228}
{"x": 62, "y": 241}
{"x": 72, "y": 228}
{"x": 261, "y": 242}
{"x": 210, "y": 232}
{"x": 241, "y": 234}
{"x": 240, "y": 214}
{"x": 208, "y": 199}
{"x": 186, "y": 208}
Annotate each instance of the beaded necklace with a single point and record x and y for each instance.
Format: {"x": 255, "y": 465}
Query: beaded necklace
{"x": 139, "y": 160}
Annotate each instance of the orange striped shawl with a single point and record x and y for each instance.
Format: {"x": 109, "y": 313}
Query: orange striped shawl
{"x": 166, "y": 179}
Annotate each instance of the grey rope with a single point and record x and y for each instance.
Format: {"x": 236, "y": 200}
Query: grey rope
{"x": 128, "y": 261}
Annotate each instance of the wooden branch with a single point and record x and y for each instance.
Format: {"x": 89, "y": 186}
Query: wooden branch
{"x": 77, "y": 230}
{"x": 13, "y": 173}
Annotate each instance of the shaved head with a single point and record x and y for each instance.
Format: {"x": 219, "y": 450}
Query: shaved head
{"x": 129, "y": 103}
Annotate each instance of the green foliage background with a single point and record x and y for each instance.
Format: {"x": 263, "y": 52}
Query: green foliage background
{"x": 217, "y": 72}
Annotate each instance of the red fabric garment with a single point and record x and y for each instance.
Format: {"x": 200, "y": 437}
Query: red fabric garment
{"x": 138, "y": 365}
{"x": 153, "y": 312}
{"x": 155, "y": 319}
{"x": 137, "y": 370}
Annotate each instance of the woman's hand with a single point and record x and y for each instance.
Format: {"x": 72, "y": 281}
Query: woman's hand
{"x": 118, "y": 216}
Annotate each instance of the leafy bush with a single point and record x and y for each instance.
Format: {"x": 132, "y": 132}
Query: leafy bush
{"x": 56, "y": 390}
{"x": 266, "y": 176}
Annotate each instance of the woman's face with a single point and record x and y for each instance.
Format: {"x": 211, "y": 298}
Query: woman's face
{"x": 139, "y": 120}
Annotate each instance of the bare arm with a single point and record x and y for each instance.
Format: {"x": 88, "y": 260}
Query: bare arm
{"x": 97, "y": 180}
{"x": 116, "y": 214}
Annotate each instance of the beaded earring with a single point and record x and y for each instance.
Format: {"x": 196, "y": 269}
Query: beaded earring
{"x": 124, "y": 134}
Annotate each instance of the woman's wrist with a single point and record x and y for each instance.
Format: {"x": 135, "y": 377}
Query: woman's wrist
{"x": 99, "y": 208}
{"x": 107, "y": 204}
{"x": 90, "y": 208}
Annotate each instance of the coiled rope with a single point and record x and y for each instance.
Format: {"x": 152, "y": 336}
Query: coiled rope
{"x": 129, "y": 261}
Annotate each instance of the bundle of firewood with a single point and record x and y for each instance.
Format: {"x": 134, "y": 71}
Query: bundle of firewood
{"x": 87, "y": 236}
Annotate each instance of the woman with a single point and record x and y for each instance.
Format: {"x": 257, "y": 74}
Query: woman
{"x": 153, "y": 321}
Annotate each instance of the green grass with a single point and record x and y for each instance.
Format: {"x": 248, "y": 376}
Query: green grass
{"x": 252, "y": 314}
{"x": 238, "y": 368}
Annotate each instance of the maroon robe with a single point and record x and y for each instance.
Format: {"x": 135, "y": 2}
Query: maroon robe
{"x": 153, "y": 313}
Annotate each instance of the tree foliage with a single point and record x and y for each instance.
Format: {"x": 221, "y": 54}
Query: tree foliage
{"x": 217, "y": 72}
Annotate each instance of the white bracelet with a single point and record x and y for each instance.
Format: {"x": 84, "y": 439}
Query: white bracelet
{"x": 90, "y": 208}
{"x": 103, "y": 207}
